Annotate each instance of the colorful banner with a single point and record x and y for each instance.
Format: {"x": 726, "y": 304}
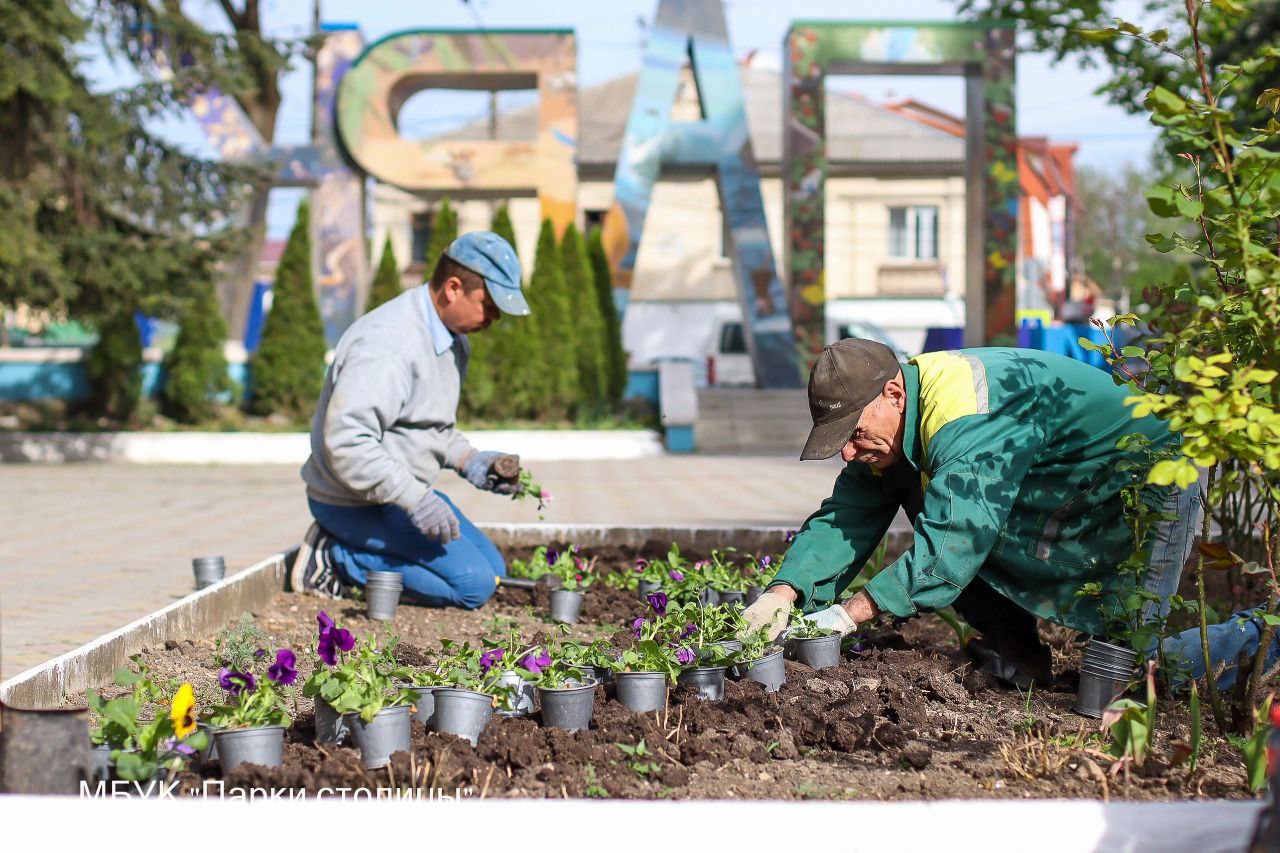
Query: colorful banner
{"x": 695, "y": 30}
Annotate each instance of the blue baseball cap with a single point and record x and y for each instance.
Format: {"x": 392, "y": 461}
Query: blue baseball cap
{"x": 492, "y": 258}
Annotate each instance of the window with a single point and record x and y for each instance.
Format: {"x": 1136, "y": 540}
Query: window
{"x": 913, "y": 233}
{"x": 593, "y": 219}
{"x": 420, "y": 224}
{"x": 732, "y": 341}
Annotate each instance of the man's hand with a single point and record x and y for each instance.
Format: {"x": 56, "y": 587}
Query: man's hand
{"x": 772, "y": 608}
{"x": 435, "y": 519}
{"x": 478, "y": 471}
{"x": 834, "y": 618}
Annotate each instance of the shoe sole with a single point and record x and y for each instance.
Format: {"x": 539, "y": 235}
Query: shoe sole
{"x": 296, "y": 576}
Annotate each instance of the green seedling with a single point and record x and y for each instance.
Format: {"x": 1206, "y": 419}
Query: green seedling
{"x": 636, "y": 758}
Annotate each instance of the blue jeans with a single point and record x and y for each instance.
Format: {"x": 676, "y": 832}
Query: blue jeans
{"x": 1183, "y": 658}
{"x": 381, "y": 538}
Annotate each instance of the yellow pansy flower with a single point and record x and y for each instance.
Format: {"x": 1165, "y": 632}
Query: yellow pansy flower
{"x": 183, "y": 711}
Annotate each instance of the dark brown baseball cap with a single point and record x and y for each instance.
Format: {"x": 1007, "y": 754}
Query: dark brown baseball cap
{"x": 847, "y": 376}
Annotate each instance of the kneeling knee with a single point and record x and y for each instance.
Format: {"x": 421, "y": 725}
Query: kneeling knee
{"x": 474, "y": 595}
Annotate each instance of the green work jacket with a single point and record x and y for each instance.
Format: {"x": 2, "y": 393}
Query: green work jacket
{"x": 1010, "y": 466}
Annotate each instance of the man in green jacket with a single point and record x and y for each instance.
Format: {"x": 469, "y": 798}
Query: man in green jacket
{"x": 1006, "y": 462}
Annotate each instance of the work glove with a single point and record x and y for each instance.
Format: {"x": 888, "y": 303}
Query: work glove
{"x": 478, "y": 471}
{"x": 435, "y": 519}
{"x": 770, "y": 609}
{"x": 834, "y": 618}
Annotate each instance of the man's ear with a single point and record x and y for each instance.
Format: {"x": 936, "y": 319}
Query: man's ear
{"x": 894, "y": 390}
{"x": 452, "y": 289}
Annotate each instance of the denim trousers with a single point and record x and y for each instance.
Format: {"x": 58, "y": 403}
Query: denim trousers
{"x": 1182, "y": 654}
{"x": 382, "y": 538}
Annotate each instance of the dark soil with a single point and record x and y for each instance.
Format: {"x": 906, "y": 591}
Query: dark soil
{"x": 905, "y": 719}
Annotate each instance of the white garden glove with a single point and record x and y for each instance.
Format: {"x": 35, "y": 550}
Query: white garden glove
{"x": 834, "y": 618}
{"x": 770, "y": 609}
{"x": 435, "y": 519}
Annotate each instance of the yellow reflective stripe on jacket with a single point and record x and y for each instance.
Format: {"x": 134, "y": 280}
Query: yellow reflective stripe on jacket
{"x": 952, "y": 385}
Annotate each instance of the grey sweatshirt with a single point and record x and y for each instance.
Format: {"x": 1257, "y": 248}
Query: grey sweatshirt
{"x": 385, "y": 423}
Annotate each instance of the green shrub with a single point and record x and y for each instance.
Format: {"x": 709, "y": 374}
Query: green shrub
{"x": 288, "y": 370}
{"x": 113, "y": 368}
{"x": 444, "y": 230}
{"x": 482, "y": 394}
{"x": 386, "y": 281}
{"x": 615, "y": 356}
{"x": 554, "y": 359}
{"x": 196, "y": 369}
{"x": 588, "y": 325}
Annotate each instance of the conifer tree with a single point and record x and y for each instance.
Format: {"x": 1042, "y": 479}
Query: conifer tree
{"x": 288, "y": 370}
{"x": 615, "y": 356}
{"x": 483, "y": 395}
{"x": 444, "y": 230}
{"x": 113, "y": 368}
{"x": 386, "y": 281}
{"x": 196, "y": 369}
{"x": 588, "y": 325}
{"x": 555, "y": 357}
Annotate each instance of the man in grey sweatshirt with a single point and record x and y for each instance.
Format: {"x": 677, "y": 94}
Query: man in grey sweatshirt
{"x": 385, "y": 426}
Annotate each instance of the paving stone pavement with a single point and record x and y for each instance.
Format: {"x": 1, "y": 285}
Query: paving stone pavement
{"x": 90, "y": 547}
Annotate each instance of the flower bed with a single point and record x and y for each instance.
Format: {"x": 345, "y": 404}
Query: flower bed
{"x": 904, "y": 718}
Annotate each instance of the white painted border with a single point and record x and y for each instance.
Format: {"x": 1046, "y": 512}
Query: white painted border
{"x": 623, "y": 826}
{"x": 293, "y": 448}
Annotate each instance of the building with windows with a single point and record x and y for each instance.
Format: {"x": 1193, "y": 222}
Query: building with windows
{"x": 895, "y": 202}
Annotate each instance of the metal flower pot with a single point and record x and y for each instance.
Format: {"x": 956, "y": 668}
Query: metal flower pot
{"x": 641, "y": 691}
{"x": 382, "y": 594}
{"x": 709, "y": 680}
{"x": 770, "y": 670}
{"x": 102, "y": 763}
{"x": 262, "y": 745}
{"x": 44, "y": 751}
{"x": 733, "y": 597}
{"x": 424, "y": 707}
{"x": 210, "y": 752}
{"x": 1097, "y": 690}
{"x": 208, "y": 570}
{"x": 708, "y": 596}
{"x": 331, "y": 727}
{"x": 386, "y": 733}
{"x": 566, "y": 605}
{"x": 464, "y": 713}
{"x": 520, "y": 701}
{"x": 817, "y": 652}
{"x": 646, "y": 587}
{"x": 567, "y": 708}
{"x": 753, "y": 592}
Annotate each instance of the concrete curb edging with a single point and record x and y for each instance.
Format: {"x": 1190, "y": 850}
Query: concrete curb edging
{"x": 293, "y": 448}
{"x": 49, "y": 684}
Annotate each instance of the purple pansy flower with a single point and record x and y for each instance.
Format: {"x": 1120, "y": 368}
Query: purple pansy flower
{"x": 236, "y": 682}
{"x": 491, "y": 657}
{"x": 638, "y": 626}
{"x": 332, "y": 641}
{"x": 175, "y": 745}
{"x": 675, "y": 575}
{"x": 765, "y": 561}
{"x": 641, "y": 564}
{"x": 283, "y": 671}
{"x": 689, "y": 631}
{"x": 658, "y": 601}
{"x": 324, "y": 621}
{"x": 685, "y": 655}
{"x": 536, "y": 661}
{"x": 552, "y": 556}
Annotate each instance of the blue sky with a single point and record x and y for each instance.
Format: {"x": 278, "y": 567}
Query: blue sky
{"x": 1054, "y": 101}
